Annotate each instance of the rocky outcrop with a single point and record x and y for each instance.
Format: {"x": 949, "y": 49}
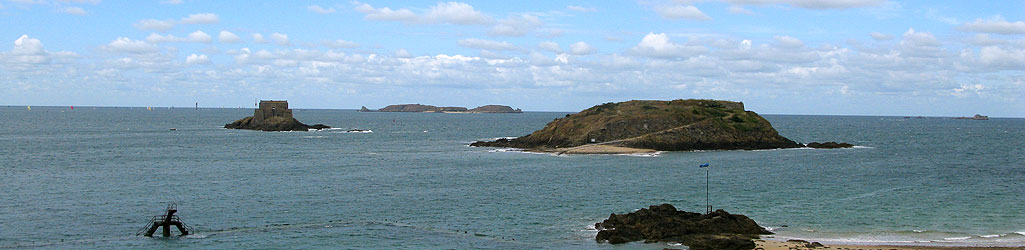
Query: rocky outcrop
{"x": 830, "y": 144}
{"x": 364, "y": 109}
{"x": 275, "y": 123}
{"x": 495, "y": 109}
{"x": 663, "y": 223}
{"x": 677, "y": 125}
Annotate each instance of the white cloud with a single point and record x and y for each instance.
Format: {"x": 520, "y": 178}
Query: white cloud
{"x": 550, "y": 46}
{"x": 228, "y": 37}
{"x": 153, "y": 24}
{"x": 338, "y": 44}
{"x": 402, "y": 53}
{"x": 456, "y": 13}
{"x": 487, "y": 44}
{"x": 385, "y": 13}
{"x": 920, "y": 44}
{"x": 197, "y": 59}
{"x": 788, "y": 42}
{"x": 880, "y": 36}
{"x": 74, "y": 11}
{"x": 581, "y": 8}
{"x": 581, "y": 48}
{"x": 257, "y": 37}
{"x": 737, "y": 9}
{"x": 813, "y": 4}
{"x": 201, "y": 18}
{"x": 194, "y": 37}
{"x": 682, "y": 12}
{"x": 443, "y": 12}
{"x": 321, "y": 10}
{"x": 199, "y": 37}
{"x": 517, "y": 25}
{"x": 659, "y": 46}
{"x": 165, "y": 25}
{"x": 123, "y": 44}
{"x": 1003, "y": 58}
{"x": 28, "y": 50}
{"x": 996, "y": 25}
{"x": 279, "y": 38}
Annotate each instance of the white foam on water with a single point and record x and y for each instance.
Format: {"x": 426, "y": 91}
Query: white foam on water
{"x": 653, "y": 154}
{"x": 990, "y": 236}
{"x": 197, "y": 236}
{"x": 861, "y": 147}
{"x": 957, "y": 238}
{"x": 1021, "y": 233}
{"x": 918, "y": 231}
{"x": 359, "y": 132}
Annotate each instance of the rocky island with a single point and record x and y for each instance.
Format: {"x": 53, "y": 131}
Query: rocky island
{"x": 648, "y": 126}
{"x": 272, "y": 116}
{"x": 435, "y": 109}
{"x": 717, "y": 230}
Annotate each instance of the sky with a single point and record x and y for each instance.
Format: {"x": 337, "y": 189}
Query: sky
{"x": 842, "y": 57}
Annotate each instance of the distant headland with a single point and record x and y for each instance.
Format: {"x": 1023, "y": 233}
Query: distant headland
{"x": 272, "y": 116}
{"x": 435, "y": 109}
{"x": 649, "y": 126}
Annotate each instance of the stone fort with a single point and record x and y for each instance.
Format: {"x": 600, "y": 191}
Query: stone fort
{"x": 270, "y": 109}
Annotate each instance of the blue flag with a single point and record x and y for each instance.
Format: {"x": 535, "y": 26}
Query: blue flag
{"x": 705, "y": 165}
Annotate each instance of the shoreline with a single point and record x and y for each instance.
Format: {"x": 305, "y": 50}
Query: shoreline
{"x": 595, "y": 149}
{"x": 783, "y": 244}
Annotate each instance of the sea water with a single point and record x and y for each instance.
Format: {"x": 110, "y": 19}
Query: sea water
{"x": 92, "y": 177}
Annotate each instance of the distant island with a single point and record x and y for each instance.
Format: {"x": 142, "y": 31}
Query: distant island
{"x": 435, "y": 109}
{"x": 649, "y": 126}
{"x": 976, "y": 117}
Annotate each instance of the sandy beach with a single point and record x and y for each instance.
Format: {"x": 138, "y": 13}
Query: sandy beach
{"x": 772, "y": 244}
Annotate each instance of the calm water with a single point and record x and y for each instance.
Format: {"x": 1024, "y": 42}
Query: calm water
{"x": 90, "y": 178}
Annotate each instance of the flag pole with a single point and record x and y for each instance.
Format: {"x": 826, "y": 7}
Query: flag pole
{"x": 708, "y": 208}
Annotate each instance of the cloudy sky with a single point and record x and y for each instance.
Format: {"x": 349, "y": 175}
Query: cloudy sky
{"x": 852, "y": 57}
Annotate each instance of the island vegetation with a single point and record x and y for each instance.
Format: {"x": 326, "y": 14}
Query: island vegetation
{"x": 645, "y": 125}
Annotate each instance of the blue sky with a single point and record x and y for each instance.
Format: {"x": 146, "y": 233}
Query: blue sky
{"x": 851, "y": 57}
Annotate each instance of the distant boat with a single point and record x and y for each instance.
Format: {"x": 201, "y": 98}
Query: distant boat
{"x": 29, "y": 108}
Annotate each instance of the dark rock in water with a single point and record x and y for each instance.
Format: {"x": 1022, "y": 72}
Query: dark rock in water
{"x": 272, "y": 116}
{"x": 677, "y": 125}
{"x": 830, "y": 144}
{"x": 717, "y": 230}
{"x": 364, "y": 109}
{"x": 273, "y": 124}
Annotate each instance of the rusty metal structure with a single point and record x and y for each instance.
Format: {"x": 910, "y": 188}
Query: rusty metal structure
{"x": 166, "y": 221}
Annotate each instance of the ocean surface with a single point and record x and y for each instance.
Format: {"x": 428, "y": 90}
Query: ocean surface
{"x": 90, "y": 178}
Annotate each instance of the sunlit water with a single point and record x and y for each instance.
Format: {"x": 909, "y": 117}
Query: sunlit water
{"x": 90, "y": 178}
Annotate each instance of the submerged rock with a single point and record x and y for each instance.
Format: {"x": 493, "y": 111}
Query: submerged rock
{"x": 716, "y": 230}
{"x": 830, "y": 144}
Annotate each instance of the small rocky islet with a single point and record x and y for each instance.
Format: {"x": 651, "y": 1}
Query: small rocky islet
{"x": 718, "y": 230}
{"x": 273, "y": 116}
{"x": 651, "y": 125}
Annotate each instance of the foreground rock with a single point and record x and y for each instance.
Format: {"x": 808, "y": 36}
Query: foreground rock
{"x": 830, "y": 144}
{"x": 718, "y": 230}
{"x": 678, "y": 125}
{"x": 273, "y": 116}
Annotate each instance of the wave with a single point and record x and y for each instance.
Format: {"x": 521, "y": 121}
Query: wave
{"x": 908, "y": 237}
